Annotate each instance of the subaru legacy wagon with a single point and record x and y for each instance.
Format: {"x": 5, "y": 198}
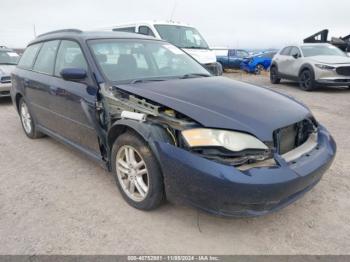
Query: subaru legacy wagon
{"x": 165, "y": 127}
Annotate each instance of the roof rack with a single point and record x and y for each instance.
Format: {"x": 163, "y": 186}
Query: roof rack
{"x": 61, "y": 31}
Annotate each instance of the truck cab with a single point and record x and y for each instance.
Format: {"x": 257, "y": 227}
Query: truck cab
{"x": 183, "y": 36}
{"x": 230, "y": 58}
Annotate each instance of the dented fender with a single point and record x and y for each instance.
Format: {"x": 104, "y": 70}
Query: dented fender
{"x": 151, "y": 133}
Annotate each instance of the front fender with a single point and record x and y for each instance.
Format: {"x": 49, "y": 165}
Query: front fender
{"x": 151, "y": 133}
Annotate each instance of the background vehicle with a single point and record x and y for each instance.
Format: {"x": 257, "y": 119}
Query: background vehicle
{"x": 181, "y": 35}
{"x": 257, "y": 63}
{"x": 311, "y": 65}
{"x": 8, "y": 61}
{"x": 155, "y": 117}
{"x": 231, "y": 58}
{"x": 342, "y": 43}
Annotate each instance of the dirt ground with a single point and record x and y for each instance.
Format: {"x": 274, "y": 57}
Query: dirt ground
{"x": 55, "y": 201}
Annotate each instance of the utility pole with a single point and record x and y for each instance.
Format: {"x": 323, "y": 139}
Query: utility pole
{"x": 173, "y": 10}
{"x": 34, "y": 31}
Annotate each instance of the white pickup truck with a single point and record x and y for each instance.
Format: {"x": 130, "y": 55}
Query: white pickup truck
{"x": 183, "y": 36}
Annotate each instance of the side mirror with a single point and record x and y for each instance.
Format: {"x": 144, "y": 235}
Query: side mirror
{"x": 296, "y": 56}
{"x": 73, "y": 74}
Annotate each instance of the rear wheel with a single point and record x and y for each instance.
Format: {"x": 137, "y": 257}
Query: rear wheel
{"x": 137, "y": 172}
{"x": 258, "y": 69}
{"x": 27, "y": 121}
{"x": 307, "y": 80}
{"x": 274, "y": 77}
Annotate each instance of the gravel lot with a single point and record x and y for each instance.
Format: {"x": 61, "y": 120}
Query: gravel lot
{"x": 55, "y": 201}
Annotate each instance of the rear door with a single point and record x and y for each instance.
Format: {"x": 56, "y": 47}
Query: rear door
{"x": 38, "y": 83}
{"x": 73, "y": 102}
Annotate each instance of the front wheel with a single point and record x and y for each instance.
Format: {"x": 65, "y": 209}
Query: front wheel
{"x": 274, "y": 78}
{"x": 307, "y": 80}
{"x": 258, "y": 69}
{"x": 137, "y": 172}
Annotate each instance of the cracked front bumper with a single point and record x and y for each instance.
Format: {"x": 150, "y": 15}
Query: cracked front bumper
{"x": 224, "y": 190}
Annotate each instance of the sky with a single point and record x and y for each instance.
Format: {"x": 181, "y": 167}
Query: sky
{"x": 251, "y": 24}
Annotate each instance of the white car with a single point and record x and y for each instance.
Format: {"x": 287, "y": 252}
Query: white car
{"x": 8, "y": 62}
{"x": 181, "y": 35}
{"x": 311, "y": 65}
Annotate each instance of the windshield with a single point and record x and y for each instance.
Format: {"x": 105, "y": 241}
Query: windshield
{"x": 124, "y": 60}
{"x": 182, "y": 36}
{"x": 327, "y": 50}
{"x": 8, "y": 58}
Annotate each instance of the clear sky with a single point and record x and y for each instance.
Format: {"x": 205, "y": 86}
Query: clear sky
{"x": 240, "y": 23}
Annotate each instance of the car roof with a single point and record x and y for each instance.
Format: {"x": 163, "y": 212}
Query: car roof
{"x": 5, "y": 49}
{"x": 315, "y": 44}
{"x": 87, "y": 35}
{"x": 150, "y": 22}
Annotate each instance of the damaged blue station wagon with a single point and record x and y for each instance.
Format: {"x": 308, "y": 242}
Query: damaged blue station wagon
{"x": 165, "y": 127}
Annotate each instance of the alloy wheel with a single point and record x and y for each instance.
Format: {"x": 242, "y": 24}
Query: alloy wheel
{"x": 132, "y": 173}
{"x": 26, "y": 118}
{"x": 305, "y": 80}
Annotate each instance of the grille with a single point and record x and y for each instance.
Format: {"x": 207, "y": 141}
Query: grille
{"x": 343, "y": 70}
{"x": 290, "y": 137}
{"x": 6, "y": 79}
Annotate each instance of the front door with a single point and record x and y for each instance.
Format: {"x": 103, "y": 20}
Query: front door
{"x": 73, "y": 102}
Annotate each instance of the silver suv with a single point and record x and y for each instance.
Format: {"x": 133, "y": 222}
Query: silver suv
{"x": 311, "y": 65}
{"x": 8, "y": 62}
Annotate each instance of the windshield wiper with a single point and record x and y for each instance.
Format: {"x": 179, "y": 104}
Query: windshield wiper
{"x": 195, "y": 47}
{"x": 145, "y": 80}
{"x": 193, "y": 75}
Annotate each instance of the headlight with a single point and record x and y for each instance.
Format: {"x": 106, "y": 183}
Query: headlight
{"x": 325, "y": 67}
{"x": 231, "y": 140}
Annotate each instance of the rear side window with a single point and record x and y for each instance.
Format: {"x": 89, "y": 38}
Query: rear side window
{"x": 145, "y": 30}
{"x": 46, "y": 58}
{"x": 285, "y": 51}
{"x": 69, "y": 55}
{"x": 125, "y": 29}
{"x": 28, "y": 56}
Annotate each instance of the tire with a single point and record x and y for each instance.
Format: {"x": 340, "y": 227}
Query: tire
{"x": 27, "y": 120}
{"x": 258, "y": 69}
{"x": 145, "y": 190}
{"x": 274, "y": 78}
{"x": 307, "y": 80}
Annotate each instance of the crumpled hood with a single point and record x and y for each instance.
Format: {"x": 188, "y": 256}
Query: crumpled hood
{"x": 218, "y": 102}
{"x": 331, "y": 59}
{"x": 6, "y": 70}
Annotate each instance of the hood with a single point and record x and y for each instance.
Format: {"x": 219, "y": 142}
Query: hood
{"x": 203, "y": 56}
{"x": 6, "y": 70}
{"x": 218, "y": 102}
{"x": 327, "y": 59}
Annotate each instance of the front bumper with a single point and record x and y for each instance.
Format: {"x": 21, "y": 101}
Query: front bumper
{"x": 5, "y": 89}
{"x": 331, "y": 78}
{"x": 224, "y": 190}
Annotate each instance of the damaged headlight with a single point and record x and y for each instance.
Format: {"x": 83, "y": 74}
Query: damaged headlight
{"x": 231, "y": 140}
{"x": 229, "y": 147}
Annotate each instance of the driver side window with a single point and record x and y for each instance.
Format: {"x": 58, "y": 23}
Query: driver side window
{"x": 69, "y": 56}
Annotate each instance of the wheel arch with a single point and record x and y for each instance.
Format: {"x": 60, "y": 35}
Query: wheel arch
{"x": 306, "y": 67}
{"x": 150, "y": 133}
{"x": 17, "y": 97}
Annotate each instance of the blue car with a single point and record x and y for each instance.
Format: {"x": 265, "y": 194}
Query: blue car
{"x": 257, "y": 63}
{"x": 166, "y": 128}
